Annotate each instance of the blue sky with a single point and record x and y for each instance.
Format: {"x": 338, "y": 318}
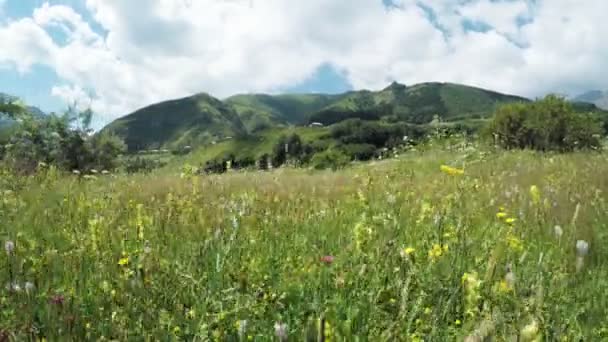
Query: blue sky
{"x": 120, "y": 55}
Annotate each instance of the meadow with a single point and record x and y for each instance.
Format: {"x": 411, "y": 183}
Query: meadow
{"x": 437, "y": 245}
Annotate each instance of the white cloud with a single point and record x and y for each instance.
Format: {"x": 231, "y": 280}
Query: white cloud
{"x": 160, "y": 49}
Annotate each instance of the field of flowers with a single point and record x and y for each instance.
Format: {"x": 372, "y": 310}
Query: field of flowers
{"x": 436, "y": 246}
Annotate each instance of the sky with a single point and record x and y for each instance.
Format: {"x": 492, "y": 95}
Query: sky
{"x": 120, "y": 55}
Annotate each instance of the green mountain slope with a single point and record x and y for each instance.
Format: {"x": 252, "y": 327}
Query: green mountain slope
{"x": 259, "y": 111}
{"x": 189, "y": 121}
{"x": 415, "y": 104}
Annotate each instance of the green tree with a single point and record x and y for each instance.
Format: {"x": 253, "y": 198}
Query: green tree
{"x": 547, "y": 124}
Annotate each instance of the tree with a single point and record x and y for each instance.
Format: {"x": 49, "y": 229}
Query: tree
{"x": 547, "y": 124}
{"x": 64, "y": 141}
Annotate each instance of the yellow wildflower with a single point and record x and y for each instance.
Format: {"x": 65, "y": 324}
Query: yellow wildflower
{"x": 535, "y": 194}
{"x": 510, "y": 220}
{"x": 501, "y": 215}
{"x": 407, "y": 252}
{"x": 452, "y": 171}
{"x": 437, "y": 251}
{"x": 515, "y": 243}
{"x": 504, "y": 287}
{"x": 123, "y": 261}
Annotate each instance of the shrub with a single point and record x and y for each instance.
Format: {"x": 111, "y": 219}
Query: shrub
{"x": 547, "y": 124}
{"x": 359, "y": 151}
{"x": 330, "y": 159}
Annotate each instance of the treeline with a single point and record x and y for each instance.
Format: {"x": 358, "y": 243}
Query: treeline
{"x": 350, "y": 140}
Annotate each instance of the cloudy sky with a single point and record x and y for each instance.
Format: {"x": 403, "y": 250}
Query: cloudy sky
{"x": 119, "y": 55}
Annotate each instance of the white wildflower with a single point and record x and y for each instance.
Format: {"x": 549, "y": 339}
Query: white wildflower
{"x": 558, "y": 231}
{"x": 29, "y": 287}
{"x": 582, "y": 248}
{"x": 280, "y": 329}
{"x": 9, "y": 247}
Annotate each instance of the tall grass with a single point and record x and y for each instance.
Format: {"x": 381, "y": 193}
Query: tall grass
{"x": 397, "y": 250}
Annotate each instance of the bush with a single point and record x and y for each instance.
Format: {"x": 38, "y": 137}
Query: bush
{"x": 359, "y": 151}
{"x": 550, "y": 124}
{"x": 61, "y": 141}
{"x": 330, "y": 159}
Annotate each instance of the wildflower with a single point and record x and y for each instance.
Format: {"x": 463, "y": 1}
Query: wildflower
{"x": 452, "y": 171}
{"x": 123, "y": 261}
{"x": 501, "y": 215}
{"x": 582, "y": 248}
{"x": 58, "y": 300}
{"x": 9, "y": 247}
{"x": 471, "y": 285}
{"x": 529, "y": 332}
{"x": 558, "y": 231}
{"x": 190, "y": 313}
{"x": 391, "y": 199}
{"x": 328, "y": 259}
{"x": 93, "y": 171}
{"x": 280, "y": 330}
{"x": 407, "y": 252}
{"x": 515, "y": 243}
{"x": 242, "y": 327}
{"x": 13, "y": 287}
{"x": 437, "y": 251}
{"x": 510, "y": 220}
{"x": 105, "y": 172}
{"x": 29, "y": 287}
{"x": 535, "y": 194}
{"x": 76, "y": 172}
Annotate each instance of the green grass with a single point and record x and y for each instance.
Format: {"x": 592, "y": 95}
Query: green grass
{"x": 159, "y": 257}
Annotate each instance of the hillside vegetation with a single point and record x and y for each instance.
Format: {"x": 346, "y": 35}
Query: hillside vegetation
{"x": 190, "y": 121}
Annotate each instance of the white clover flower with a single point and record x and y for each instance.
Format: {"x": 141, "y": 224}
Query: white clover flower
{"x": 391, "y": 199}
{"x": 280, "y": 330}
{"x": 9, "y": 247}
{"x": 582, "y": 248}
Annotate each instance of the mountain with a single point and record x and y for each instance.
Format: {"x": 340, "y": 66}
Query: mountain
{"x": 201, "y": 119}
{"x": 188, "y": 121}
{"x": 597, "y": 97}
{"x": 259, "y": 111}
{"x": 419, "y": 103}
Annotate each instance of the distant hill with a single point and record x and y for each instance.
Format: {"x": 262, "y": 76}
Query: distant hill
{"x": 189, "y": 121}
{"x": 597, "y": 97}
{"x": 201, "y": 119}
